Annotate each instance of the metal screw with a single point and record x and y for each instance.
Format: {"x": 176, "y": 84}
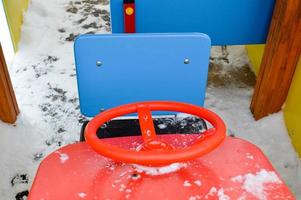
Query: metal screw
{"x": 98, "y": 63}
{"x": 186, "y": 61}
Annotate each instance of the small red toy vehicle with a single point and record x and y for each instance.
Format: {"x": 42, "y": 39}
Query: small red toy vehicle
{"x": 208, "y": 165}
{"x": 201, "y": 165}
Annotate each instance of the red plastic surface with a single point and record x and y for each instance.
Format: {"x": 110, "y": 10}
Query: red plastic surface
{"x": 78, "y": 172}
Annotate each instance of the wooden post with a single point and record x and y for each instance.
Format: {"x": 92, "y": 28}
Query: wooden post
{"x": 280, "y": 59}
{"x": 8, "y": 104}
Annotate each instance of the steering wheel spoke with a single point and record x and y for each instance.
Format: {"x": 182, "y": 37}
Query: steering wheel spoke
{"x": 146, "y": 123}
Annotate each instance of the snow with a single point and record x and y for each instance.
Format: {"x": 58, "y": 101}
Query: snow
{"x": 269, "y": 133}
{"x": 198, "y": 183}
{"x": 63, "y": 157}
{"x": 162, "y": 126}
{"x": 128, "y": 190}
{"x": 212, "y": 191}
{"x": 122, "y": 187}
{"x": 249, "y": 156}
{"x": 43, "y": 75}
{"x": 186, "y": 184}
{"x": 221, "y": 195}
{"x": 255, "y": 183}
{"x": 82, "y": 195}
{"x": 194, "y": 197}
{"x": 154, "y": 171}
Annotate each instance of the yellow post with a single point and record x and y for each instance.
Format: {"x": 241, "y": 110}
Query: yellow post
{"x": 255, "y": 53}
{"x": 14, "y": 12}
{"x": 292, "y": 109}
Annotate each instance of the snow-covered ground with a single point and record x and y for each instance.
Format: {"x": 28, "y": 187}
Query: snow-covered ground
{"x": 43, "y": 75}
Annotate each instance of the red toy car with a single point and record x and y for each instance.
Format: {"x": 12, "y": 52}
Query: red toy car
{"x": 208, "y": 165}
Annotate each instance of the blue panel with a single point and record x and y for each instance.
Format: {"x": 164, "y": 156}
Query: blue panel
{"x": 140, "y": 67}
{"x": 225, "y": 21}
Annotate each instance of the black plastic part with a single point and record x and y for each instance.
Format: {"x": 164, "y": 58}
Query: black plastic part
{"x": 128, "y": 1}
{"x": 131, "y": 127}
{"x": 82, "y": 131}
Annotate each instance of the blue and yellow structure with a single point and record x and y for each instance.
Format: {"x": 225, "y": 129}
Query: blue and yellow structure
{"x": 252, "y": 29}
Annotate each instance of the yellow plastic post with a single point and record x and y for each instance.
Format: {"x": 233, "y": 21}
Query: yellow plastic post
{"x": 14, "y": 12}
{"x": 292, "y": 109}
{"x": 255, "y": 53}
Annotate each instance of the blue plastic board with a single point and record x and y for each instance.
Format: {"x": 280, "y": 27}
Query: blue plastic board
{"x": 140, "y": 67}
{"x": 227, "y": 22}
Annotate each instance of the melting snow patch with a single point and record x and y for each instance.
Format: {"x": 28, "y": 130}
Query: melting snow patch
{"x": 123, "y": 173}
{"x": 82, "y": 195}
{"x": 181, "y": 116}
{"x": 198, "y": 182}
{"x": 117, "y": 181}
{"x": 122, "y": 187}
{"x": 187, "y": 184}
{"x": 250, "y": 156}
{"x": 160, "y": 170}
{"x": 222, "y": 195}
{"x": 212, "y": 191}
{"x": 63, "y": 157}
{"x": 162, "y": 126}
{"x": 254, "y": 183}
{"x": 194, "y": 197}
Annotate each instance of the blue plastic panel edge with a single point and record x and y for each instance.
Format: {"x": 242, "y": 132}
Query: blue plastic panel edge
{"x": 160, "y": 56}
{"x": 227, "y": 22}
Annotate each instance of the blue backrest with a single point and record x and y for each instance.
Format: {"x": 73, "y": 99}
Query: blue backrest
{"x": 123, "y": 68}
{"x": 227, "y": 22}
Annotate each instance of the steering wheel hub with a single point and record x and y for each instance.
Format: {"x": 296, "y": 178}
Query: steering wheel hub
{"x": 155, "y": 145}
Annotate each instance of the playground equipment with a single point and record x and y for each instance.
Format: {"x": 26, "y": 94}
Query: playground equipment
{"x": 228, "y": 22}
{"x": 233, "y": 22}
{"x": 161, "y": 167}
{"x": 141, "y": 67}
{"x": 113, "y": 70}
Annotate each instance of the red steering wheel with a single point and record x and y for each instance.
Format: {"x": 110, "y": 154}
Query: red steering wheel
{"x": 155, "y": 152}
